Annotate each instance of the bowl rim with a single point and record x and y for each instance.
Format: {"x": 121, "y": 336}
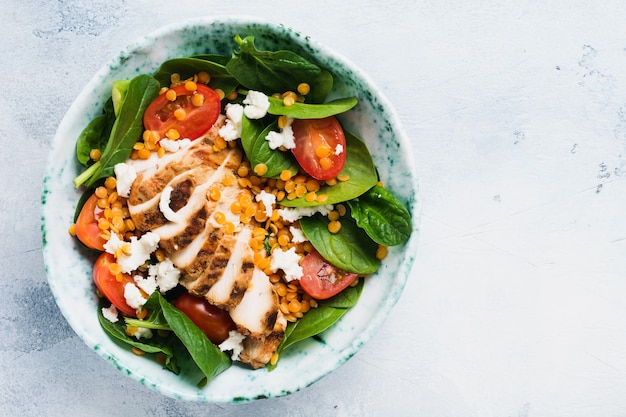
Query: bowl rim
{"x": 410, "y": 247}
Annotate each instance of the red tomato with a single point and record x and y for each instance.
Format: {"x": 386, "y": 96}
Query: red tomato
{"x": 322, "y": 280}
{"x": 87, "y": 229}
{"x": 213, "y": 321}
{"x": 160, "y": 117}
{"x": 109, "y": 285}
{"x": 317, "y": 142}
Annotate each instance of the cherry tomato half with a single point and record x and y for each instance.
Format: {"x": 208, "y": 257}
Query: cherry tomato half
{"x": 196, "y": 118}
{"x": 322, "y": 280}
{"x": 213, "y": 321}
{"x": 110, "y": 286}
{"x": 320, "y": 146}
{"x": 87, "y": 230}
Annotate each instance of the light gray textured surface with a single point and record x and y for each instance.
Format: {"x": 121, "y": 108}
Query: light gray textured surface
{"x": 516, "y": 304}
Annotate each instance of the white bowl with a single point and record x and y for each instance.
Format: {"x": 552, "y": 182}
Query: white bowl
{"x": 69, "y": 270}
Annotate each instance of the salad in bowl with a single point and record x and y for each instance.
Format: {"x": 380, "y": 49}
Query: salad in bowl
{"x": 239, "y": 211}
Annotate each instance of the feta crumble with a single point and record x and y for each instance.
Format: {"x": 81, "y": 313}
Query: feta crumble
{"x": 288, "y": 261}
{"x": 292, "y": 214}
{"x": 165, "y": 275}
{"x": 148, "y": 284}
{"x": 268, "y": 200}
{"x": 140, "y": 250}
{"x": 234, "y": 343}
{"x": 140, "y": 332}
{"x": 297, "y": 236}
{"x": 110, "y": 313}
{"x": 124, "y": 175}
{"x": 133, "y": 296}
{"x": 338, "y": 149}
{"x": 283, "y": 138}
{"x": 174, "y": 145}
{"x": 232, "y": 126}
{"x": 257, "y": 104}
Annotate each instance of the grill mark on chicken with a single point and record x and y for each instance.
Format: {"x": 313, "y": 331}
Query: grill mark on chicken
{"x": 213, "y": 264}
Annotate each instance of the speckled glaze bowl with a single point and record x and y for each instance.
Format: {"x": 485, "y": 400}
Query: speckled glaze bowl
{"x": 69, "y": 269}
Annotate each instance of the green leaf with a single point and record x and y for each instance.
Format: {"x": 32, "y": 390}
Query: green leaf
{"x": 126, "y": 130}
{"x": 270, "y": 71}
{"x": 319, "y": 319}
{"x": 118, "y": 94}
{"x": 96, "y": 134}
{"x": 382, "y": 216}
{"x": 209, "y": 358}
{"x": 258, "y": 151}
{"x": 155, "y": 344}
{"x": 359, "y": 168}
{"x": 311, "y": 111}
{"x": 188, "y": 67}
{"x": 350, "y": 249}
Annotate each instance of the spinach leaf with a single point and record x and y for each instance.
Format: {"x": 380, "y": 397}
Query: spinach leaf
{"x": 311, "y": 111}
{"x": 270, "y": 71}
{"x": 320, "y": 87}
{"x": 217, "y": 58}
{"x": 126, "y": 130}
{"x": 155, "y": 344}
{"x": 359, "y": 168}
{"x": 96, "y": 134}
{"x": 382, "y": 216}
{"x": 258, "y": 151}
{"x": 118, "y": 94}
{"x": 350, "y": 249}
{"x": 188, "y": 67}
{"x": 319, "y": 319}
{"x": 205, "y": 354}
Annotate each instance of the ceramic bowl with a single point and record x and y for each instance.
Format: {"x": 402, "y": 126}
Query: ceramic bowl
{"x": 69, "y": 269}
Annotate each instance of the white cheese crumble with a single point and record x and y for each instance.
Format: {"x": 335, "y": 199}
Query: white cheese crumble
{"x": 234, "y": 343}
{"x": 165, "y": 275}
{"x": 164, "y": 204}
{"x": 288, "y": 261}
{"x": 297, "y": 236}
{"x": 283, "y": 138}
{"x": 257, "y": 104}
{"x": 140, "y": 332}
{"x": 148, "y": 284}
{"x": 232, "y": 126}
{"x": 292, "y": 214}
{"x": 110, "y": 313}
{"x": 140, "y": 250}
{"x": 133, "y": 296}
{"x": 268, "y": 200}
{"x": 174, "y": 145}
{"x": 124, "y": 175}
{"x": 338, "y": 149}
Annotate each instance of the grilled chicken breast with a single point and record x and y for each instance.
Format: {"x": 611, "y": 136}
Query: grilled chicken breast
{"x": 173, "y": 199}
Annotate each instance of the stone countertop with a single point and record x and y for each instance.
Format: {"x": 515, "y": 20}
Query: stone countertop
{"x": 517, "y": 115}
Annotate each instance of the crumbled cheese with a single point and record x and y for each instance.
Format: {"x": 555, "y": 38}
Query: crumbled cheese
{"x": 285, "y": 138}
{"x": 148, "y": 284}
{"x": 140, "y": 332}
{"x": 140, "y": 250}
{"x": 338, "y": 149}
{"x": 288, "y": 261}
{"x": 257, "y": 104}
{"x": 124, "y": 175}
{"x": 165, "y": 275}
{"x": 133, "y": 296}
{"x": 110, "y": 313}
{"x": 231, "y": 129}
{"x": 297, "y": 235}
{"x": 234, "y": 343}
{"x": 164, "y": 204}
{"x": 268, "y": 200}
{"x": 174, "y": 145}
{"x": 292, "y": 214}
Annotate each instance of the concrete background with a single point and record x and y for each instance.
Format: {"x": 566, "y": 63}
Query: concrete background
{"x": 517, "y": 113}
